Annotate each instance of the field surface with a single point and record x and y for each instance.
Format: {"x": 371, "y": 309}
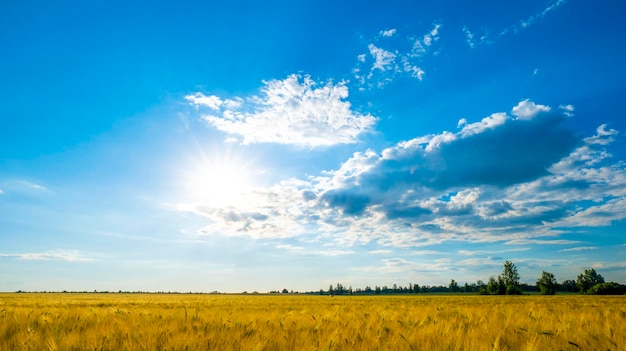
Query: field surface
{"x": 297, "y": 322}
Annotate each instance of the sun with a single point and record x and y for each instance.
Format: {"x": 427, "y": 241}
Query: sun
{"x": 220, "y": 181}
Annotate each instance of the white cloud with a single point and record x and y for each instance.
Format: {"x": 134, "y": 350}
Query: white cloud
{"x": 484, "y": 183}
{"x": 580, "y": 248}
{"x": 388, "y": 33}
{"x": 200, "y": 99}
{"x": 527, "y": 109}
{"x": 530, "y": 20}
{"x": 383, "y": 60}
{"x": 60, "y": 255}
{"x": 380, "y": 252}
{"x": 568, "y": 110}
{"x": 432, "y": 36}
{"x": 23, "y": 186}
{"x": 295, "y": 111}
{"x": 304, "y": 251}
{"x": 387, "y": 64}
{"x": 472, "y": 40}
{"x": 490, "y": 122}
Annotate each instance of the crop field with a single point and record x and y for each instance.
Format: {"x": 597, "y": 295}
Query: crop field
{"x": 299, "y": 322}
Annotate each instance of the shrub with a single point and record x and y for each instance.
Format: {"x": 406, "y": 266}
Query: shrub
{"x": 610, "y": 288}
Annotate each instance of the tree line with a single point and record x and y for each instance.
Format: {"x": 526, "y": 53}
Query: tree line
{"x": 507, "y": 283}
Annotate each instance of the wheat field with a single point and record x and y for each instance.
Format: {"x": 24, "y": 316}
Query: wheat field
{"x": 299, "y": 322}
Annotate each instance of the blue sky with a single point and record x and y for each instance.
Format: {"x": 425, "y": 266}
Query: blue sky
{"x": 239, "y": 146}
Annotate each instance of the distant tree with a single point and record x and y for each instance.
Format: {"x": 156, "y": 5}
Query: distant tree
{"x": 509, "y": 274}
{"x": 330, "y": 290}
{"x": 285, "y": 291}
{"x": 568, "y": 285}
{"x": 547, "y": 283}
{"x": 480, "y": 284}
{"x": 377, "y": 290}
{"x": 513, "y": 290}
{"x": 339, "y": 289}
{"x": 454, "y": 286}
{"x": 493, "y": 287}
{"x": 588, "y": 279}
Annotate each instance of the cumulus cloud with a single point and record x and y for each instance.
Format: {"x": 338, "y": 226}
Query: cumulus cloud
{"x": 296, "y": 110}
{"x": 521, "y": 179}
{"x": 527, "y": 109}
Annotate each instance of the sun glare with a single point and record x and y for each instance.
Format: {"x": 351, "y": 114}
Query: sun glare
{"x": 218, "y": 181}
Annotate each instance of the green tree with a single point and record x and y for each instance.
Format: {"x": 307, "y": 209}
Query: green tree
{"x": 568, "y": 285}
{"x": 588, "y": 279}
{"x": 547, "y": 283}
{"x": 496, "y": 286}
{"x": 509, "y": 274}
{"x": 454, "y": 286}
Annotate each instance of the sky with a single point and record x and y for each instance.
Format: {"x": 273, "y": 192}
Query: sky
{"x": 254, "y": 146}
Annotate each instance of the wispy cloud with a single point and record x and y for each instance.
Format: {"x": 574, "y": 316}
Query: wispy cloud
{"x": 315, "y": 252}
{"x": 23, "y": 186}
{"x": 525, "y": 23}
{"x": 381, "y": 252}
{"x": 473, "y": 40}
{"x": 580, "y": 248}
{"x": 609, "y": 266}
{"x": 484, "y": 252}
{"x": 388, "y": 60}
{"x": 58, "y": 255}
{"x": 296, "y": 111}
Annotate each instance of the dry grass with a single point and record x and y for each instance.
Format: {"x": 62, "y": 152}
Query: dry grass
{"x": 250, "y": 322}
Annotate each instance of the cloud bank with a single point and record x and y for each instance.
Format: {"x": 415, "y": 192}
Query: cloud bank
{"x": 519, "y": 178}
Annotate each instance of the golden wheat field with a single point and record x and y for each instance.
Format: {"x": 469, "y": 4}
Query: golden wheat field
{"x": 299, "y": 322}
